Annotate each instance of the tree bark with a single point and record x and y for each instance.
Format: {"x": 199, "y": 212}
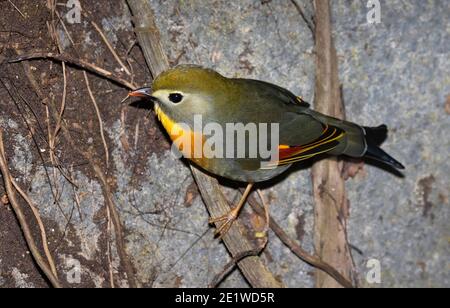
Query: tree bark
{"x": 331, "y": 204}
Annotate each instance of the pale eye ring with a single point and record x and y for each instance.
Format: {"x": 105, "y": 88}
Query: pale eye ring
{"x": 175, "y": 97}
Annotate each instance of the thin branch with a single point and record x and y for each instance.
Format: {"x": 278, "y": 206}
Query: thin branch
{"x": 329, "y": 234}
{"x": 77, "y": 63}
{"x": 111, "y": 49}
{"x": 99, "y": 117}
{"x": 109, "y": 252}
{"x": 69, "y": 36}
{"x": 61, "y": 112}
{"x": 297, "y": 249}
{"x": 118, "y": 230}
{"x": 308, "y": 22}
{"x": 22, "y": 219}
{"x": 120, "y": 241}
{"x": 16, "y": 8}
{"x": 8, "y": 87}
{"x": 266, "y": 211}
{"x": 219, "y": 277}
{"x": 36, "y": 214}
{"x": 52, "y": 138}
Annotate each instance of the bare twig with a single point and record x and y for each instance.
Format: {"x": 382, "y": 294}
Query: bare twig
{"x": 308, "y": 22}
{"x": 118, "y": 229}
{"x": 123, "y": 132}
{"x": 109, "y": 252}
{"x": 297, "y": 249}
{"x": 120, "y": 241}
{"x": 331, "y": 209}
{"x": 148, "y": 36}
{"x": 111, "y": 49}
{"x": 36, "y": 214}
{"x": 219, "y": 277}
{"x": 9, "y": 88}
{"x": 105, "y": 187}
{"x": 99, "y": 117}
{"x": 76, "y": 197}
{"x": 16, "y": 8}
{"x": 78, "y": 63}
{"x": 266, "y": 211}
{"x": 52, "y": 138}
{"x": 61, "y": 112}
{"x": 252, "y": 267}
{"x": 69, "y": 36}
{"x": 22, "y": 220}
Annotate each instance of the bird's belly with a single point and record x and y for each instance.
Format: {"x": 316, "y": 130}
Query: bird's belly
{"x": 191, "y": 146}
{"x": 238, "y": 170}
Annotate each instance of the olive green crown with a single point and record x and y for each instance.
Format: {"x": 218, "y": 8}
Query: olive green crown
{"x": 191, "y": 79}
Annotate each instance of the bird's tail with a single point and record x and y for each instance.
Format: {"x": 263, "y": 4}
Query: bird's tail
{"x": 374, "y": 137}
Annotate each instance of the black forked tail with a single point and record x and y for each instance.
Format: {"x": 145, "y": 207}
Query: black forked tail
{"x": 374, "y": 137}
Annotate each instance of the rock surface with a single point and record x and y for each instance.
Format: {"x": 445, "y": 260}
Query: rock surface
{"x": 396, "y": 72}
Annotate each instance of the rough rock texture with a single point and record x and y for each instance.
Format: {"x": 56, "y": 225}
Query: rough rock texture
{"x": 396, "y": 72}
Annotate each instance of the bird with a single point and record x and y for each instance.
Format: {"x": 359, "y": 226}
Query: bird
{"x": 185, "y": 92}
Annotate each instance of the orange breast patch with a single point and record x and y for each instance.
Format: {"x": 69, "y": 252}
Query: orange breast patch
{"x": 188, "y": 142}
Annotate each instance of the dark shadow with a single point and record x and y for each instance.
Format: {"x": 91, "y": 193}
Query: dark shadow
{"x": 142, "y": 104}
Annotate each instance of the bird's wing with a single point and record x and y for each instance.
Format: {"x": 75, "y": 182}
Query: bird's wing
{"x": 328, "y": 140}
{"x": 303, "y": 133}
{"x": 283, "y": 95}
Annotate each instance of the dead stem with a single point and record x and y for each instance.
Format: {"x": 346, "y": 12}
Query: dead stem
{"x": 65, "y": 29}
{"x": 8, "y": 87}
{"x": 308, "y": 22}
{"x": 22, "y": 220}
{"x": 266, "y": 210}
{"x": 120, "y": 242}
{"x": 329, "y": 231}
{"x": 219, "y": 277}
{"x": 104, "y": 38}
{"x": 16, "y": 8}
{"x": 297, "y": 249}
{"x": 36, "y": 214}
{"x": 78, "y": 63}
{"x": 109, "y": 226}
{"x": 53, "y": 137}
{"x": 99, "y": 117}
{"x": 118, "y": 230}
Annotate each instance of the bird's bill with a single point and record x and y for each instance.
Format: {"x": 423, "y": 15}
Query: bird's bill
{"x": 142, "y": 92}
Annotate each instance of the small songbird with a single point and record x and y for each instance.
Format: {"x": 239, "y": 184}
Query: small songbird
{"x": 183, "y": 93}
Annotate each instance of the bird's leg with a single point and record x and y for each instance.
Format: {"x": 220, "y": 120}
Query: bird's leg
{"x": 231, "y": 216}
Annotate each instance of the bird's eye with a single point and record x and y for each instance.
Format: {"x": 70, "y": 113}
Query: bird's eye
{"x": 175, "y": 98}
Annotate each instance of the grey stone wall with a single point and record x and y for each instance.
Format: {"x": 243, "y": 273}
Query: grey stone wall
{"x": 396, "y": 72}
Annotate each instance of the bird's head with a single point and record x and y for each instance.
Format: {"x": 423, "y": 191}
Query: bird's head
{"x": 187, "y": 90}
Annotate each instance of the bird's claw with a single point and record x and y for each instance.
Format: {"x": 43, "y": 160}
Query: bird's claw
{"x": 227, "y": 220}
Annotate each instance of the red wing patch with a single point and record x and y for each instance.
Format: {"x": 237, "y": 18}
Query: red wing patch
{"x": 326, "y": 142}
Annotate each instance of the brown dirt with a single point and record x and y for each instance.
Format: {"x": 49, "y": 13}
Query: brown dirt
{"x": 30, "y": 34}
